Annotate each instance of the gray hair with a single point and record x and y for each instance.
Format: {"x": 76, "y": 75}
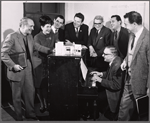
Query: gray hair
{"x": 98, "y": 17}
{"x": 113, "y": 50}
{"x": 24, "y": 21}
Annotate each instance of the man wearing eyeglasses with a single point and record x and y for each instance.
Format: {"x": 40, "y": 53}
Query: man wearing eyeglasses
{"x": 111, "y": 80}
{"x": 120, "y": 36}
{"x": 57, "y": 28}
{"x": 99, "y": 38}
{"x": 76, "y": 31}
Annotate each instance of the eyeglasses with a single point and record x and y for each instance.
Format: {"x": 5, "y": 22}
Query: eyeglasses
{"x": 97, "y": 23}
{"x": 59, "y": 22}
{"x": 106, "y": 54}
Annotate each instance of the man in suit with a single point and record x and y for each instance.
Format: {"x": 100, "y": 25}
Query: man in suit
{"x": 21, "y": 78}
{"x": 59, "y": 21}
{"x": 136, "y": 64}
{"x": 99, "y": 38}
{"x": 111, "y": 80}
{"x": 76, "y": 31}
{"x": 120, "y": 36}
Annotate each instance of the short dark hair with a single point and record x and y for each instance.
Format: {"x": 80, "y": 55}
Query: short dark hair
{"x": 118, "y": 18}
{"x": 113, "y": 50}
{"x": 134, "y": 16}
{"x": 79, "y": 15}
{"x": 60, "y": 16}
{"x": 44, "y": 19}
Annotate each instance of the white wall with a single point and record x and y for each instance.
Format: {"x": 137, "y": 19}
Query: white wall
{"x": 11, "y": 13}
{"x": 106, "y": 9}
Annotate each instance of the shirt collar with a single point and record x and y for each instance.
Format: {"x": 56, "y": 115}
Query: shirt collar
{"x": 137, "y": 35}
{"x": 118, "y": 30}
{"x": 111, "y": 61}
{"x": 53, "y": 28}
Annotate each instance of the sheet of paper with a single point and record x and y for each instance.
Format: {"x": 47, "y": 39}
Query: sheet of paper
{"x": 84, "y": 69}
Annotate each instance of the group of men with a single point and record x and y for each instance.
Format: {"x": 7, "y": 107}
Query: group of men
{"x": 106, "y": 50}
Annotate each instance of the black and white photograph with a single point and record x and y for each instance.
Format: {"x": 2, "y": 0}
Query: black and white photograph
{"x": 75, "y": 61}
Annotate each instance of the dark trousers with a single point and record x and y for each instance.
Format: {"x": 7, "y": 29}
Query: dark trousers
{"x": 24, "y": 88}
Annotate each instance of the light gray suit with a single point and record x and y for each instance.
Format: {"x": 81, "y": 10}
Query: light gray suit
{"x": 21, "y": 82}
{"x": 138, "y": 82}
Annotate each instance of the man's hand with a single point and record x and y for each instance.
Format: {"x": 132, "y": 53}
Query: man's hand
{"x": 17, "y": 68}
{"x": 123, "y": 65}
{"x": 96, "y": 78}
{"x": 68, "y": 42}
{"x": 100, "y": 74}
{"x": 92, "y": 52}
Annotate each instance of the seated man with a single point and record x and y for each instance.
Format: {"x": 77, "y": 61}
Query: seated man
{"x": 112, "y": 80}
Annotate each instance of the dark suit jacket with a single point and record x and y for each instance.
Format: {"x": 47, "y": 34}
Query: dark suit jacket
{"x": 14, "y": 44}
{"x": 122, "y": 42}
{"x": 60, "y": 36}
{"x": 99, "y": 43}
{"x": 71, "y": 35}
{"x": 114, "y": 84}
{"x": 140, "y": 64}
{"x": 102, "y": 40}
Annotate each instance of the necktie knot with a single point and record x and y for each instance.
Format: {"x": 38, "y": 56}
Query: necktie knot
{"x": 96, "y": 33}
{"x": 56, "y": 30}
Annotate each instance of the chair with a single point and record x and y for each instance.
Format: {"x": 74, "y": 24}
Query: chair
{"x": 89, "y": 93}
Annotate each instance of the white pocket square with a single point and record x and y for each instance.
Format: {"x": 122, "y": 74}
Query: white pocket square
{"x": 100, "y": 37}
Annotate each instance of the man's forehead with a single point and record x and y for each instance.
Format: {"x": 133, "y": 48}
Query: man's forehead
{"x": 97, "y": 20}
{"x": 113, "y": 18}
{"x": 30, "y": 22}
{"x": 60, "y": 19}
{"x": 106, "y": 50}
{"x": 77, "y": 19}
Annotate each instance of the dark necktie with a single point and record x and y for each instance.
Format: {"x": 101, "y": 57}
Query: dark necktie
{"x": 27, "y": 48}
{"x": 132, "y": 42}
{"x": 56, "y": 30}
{"x": 115, "y": 39}
{"x": 77, "y": 33}
{"x": 96, "y": 34}
{"x": 115, "y": 35}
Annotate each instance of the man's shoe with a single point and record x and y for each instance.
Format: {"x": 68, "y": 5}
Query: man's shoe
{"x": 111, "y": 116}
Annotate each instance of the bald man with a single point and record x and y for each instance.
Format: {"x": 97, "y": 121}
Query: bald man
{"x": 21, "y": 78}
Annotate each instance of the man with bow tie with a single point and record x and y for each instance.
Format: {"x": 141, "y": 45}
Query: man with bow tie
{"x": 57, "y": 28}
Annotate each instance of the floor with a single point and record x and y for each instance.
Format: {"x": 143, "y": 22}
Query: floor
{"x": 8, "y": 114}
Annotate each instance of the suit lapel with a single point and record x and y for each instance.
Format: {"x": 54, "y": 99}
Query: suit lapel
{"x": 30, "y": 45}
{"x": 138, "y": 45}
{"x": 20, "y": 40}
{"x": 99, "y": 34}
{"x": 73, "y": 29}
{"x": 111, "y": 67}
